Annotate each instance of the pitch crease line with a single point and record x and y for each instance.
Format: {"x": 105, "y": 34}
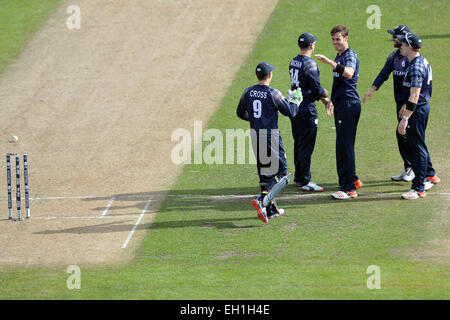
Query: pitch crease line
{"x": 236, "y": 196}
{"x": 133, "y": 196}
{"x": 130, "y": 235}
{"x": 108, "y": 206}
{"x": 85, "y": 217}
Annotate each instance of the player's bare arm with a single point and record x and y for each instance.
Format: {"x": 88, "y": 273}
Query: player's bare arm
{"x": 369, "y": 93}
{"x": 348, "y": 71}
{"x": 328, "y": 106}
{"x": 408, "y": 109}
{"x": 327, "y": 103}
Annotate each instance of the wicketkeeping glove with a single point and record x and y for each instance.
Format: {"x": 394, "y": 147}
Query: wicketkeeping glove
{"x": 295, "y": 96}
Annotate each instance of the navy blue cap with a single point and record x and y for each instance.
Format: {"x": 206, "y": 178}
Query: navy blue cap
{"x": 264, "y": 68}
{"x": 399, "y": 30}
{"x": 411, "y": 40}
{"x": 306, "y": 39}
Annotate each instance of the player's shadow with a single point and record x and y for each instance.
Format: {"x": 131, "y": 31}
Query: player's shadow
{"x": 219, "y": 223}
{"x": 430, "y": 36}
{"x": 232, "y": 198}
{"x": 366, "y": 183}
{"x": 127, "y": 225}
{"x": 219, "y": 208}
{"x": 214, "y": 198}
{"x": 225, "y": 210}
{"x": 435, "y": 36}
{"x": 303, "y": 203}
{"x": 116, "y": 226}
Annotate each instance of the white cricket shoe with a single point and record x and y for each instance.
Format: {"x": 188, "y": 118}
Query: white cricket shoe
{"x": 260, "y": 209}
{"x": 413, "y": 194}
{"x": 278, "y": 213}
{"x": 428, "y": 184}
{"x": 407, "y": 175}
{"x": 311, "y": 187}
{"x": 342, "y": 195}
{"x": 273, "y": 211}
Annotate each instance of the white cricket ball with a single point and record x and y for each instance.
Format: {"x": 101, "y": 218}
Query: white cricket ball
{"x": 14, "y": 138}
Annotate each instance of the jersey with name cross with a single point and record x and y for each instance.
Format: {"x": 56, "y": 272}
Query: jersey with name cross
{"x": 260, "y": 104}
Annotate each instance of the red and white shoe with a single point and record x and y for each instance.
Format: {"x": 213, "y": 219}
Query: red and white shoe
{"x": 273, "y": 210}
{"x": 434, "y": 179}
{"x": 279, "y": 213}
{"x": 260, "y": 210}
{"x": 358, "y": 184}
{"x": 296, "y": 184}
{"x": 430, "y": 182}
{"x": 343, "y": 195}
{"x": 427, "y": 185}
{"x": 413, "y": 194}
{"x": 312, "y": 187}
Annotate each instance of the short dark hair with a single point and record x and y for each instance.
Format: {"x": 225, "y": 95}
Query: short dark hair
{"x": 304, "y": 45}
{"x": 262, "y": 77}
{"x": 343, "y": 30}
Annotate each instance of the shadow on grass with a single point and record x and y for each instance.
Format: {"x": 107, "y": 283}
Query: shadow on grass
{"x": 239, "y": 198}
{"x": 435, "y": 36}
{"x": 226, "y": 202}
{"x": 178, "y": 206}
{"x": 248, "y": 191}
{"x": 126, "y": 226}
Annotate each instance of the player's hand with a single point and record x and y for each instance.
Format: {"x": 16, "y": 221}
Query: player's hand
{"x": 329, "y": 108}
{"x": 401, "y": 129}
{"x": 328, "y": 105}
{"x": 295, "y": 96}
{"x": 322, "y": 58}
{"x": 298, "y": 95}
{"x": 402, "y": 111}
{"x": 369, "y": 94}
{"x": 290, "y": 94}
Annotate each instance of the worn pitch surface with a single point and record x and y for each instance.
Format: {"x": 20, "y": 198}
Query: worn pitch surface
{"x": 95, "y": 109}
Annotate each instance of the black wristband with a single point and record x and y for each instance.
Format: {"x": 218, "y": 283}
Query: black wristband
{"x": 340, "y": 69}
{"x": 411, "y": 106}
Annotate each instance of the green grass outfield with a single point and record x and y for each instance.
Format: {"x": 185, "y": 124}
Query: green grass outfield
{"x": 19, "y": 20}
{"x": 216, "y": 248}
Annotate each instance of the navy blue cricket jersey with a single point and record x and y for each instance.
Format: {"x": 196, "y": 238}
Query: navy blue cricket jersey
{"x": 419, "y": 74}
{"x": 260, "y": 105}
{"x": 305, "y": 75}
{"x": 344, "y": 88}
{"x": 397, "y": 64}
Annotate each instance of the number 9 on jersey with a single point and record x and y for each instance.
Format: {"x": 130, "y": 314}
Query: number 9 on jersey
{"x": 257, "y": 109}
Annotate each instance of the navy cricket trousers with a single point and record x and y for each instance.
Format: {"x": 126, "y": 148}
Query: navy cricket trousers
{"x": 346, "y": 117}
{"x": 418, "y": 151}
{"x": 270, "y": 158}
{"x": 304, "y": 131}
{"x": 402, "y": 142}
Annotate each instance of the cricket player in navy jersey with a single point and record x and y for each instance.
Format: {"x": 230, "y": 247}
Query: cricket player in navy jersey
{"x": 414, "y": 115}
{"x": 259, "y": 104}
{"x": 306, "y": 75}
{"x": 347, "y": 110}
{"x": 396, "y": 64}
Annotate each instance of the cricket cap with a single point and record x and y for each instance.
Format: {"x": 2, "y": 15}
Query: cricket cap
{"x": 264, "y": 68}
{"x": 306, "y": 39}
{"x": 399, "y": 30}
{"x": 411, "y": 40}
